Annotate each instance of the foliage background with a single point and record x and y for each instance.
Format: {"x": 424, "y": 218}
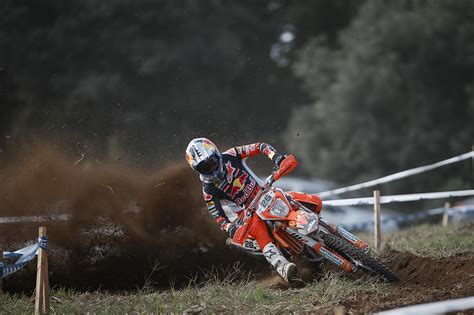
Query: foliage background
{"x": 356, "y": 89}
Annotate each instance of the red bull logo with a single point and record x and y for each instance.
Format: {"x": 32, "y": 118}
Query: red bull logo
{"x": 247, "y": 192}
{"x": 238, "y": 184}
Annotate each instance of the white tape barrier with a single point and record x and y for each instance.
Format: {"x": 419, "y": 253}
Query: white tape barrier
{"x": 442, "y": 307}
{"x": 395, "y": 222}
{"x": 397, "y": 176}
{"x": 33, "y": 219}
{"x": 398, "y": 198}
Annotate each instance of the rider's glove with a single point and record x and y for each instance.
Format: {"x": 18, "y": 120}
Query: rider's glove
{"x": 230, "y": 229}
{"x": 278, "y": 158}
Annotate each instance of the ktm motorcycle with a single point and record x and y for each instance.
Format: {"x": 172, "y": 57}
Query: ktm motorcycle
{"x": 298, "y": 229}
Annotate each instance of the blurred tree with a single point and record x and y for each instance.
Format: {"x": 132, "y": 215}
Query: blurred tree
{"x": 396, "y": 91}
{"x": 325, "y": 17}
{"x": 151, "y": 73}
{"x": 303, "y": 19}
{"x": 9, "y": 102}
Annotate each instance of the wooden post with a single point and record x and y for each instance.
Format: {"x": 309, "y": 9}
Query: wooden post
{"x": 445, "y": 220}
{"x": 1, "y": 274}
{"x": 339, "y": 310}
{"x": 42, "y": 282}
{"x": 377, "y": 232}
{"x": 472, "y": 167}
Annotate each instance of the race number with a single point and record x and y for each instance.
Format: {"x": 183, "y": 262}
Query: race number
{"x": 266, "y": 201}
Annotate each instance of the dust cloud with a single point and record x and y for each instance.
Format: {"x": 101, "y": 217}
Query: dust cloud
{"x": 127, "y": 226}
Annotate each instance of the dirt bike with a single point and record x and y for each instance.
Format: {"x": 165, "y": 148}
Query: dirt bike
{"x": 298, "y": 229}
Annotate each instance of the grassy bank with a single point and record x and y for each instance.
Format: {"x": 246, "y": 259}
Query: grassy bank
{"x": 434, "y": 240}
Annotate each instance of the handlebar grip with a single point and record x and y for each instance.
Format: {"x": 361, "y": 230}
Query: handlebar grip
{"x": 286, "y": 167}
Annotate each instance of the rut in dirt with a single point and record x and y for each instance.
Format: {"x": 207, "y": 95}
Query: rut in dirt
{"x": 422, "y": 280}
{"x": 427, "y": 279}
{"x": 455, "y": 273}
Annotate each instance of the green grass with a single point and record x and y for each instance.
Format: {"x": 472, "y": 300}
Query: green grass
{"x": 214, "y": 296}
{"x": 434, "y": 240}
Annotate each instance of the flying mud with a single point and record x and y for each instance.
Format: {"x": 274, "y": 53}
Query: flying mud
{"x": 126, "y": 226}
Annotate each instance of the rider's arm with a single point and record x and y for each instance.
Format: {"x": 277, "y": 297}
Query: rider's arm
{"x": 214, "y": 207}
{"x": 259, "y": 148}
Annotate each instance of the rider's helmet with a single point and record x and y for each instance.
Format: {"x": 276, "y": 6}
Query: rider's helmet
{"x": 204, "y": 157}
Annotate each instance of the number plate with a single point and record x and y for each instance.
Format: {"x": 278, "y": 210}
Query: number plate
{"x": 265, "y": 201}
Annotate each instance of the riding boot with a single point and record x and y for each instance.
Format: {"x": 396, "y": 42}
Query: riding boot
{"x": 285, "y": 268}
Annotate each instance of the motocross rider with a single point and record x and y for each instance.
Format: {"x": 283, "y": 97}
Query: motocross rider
{"x": 225, "y": 176}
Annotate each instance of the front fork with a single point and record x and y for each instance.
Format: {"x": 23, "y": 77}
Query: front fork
{"x": 347, "y": 236}
{"x": 321, "y": 249}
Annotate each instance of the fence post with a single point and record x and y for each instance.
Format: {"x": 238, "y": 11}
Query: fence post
{"x": 340, "y": 310}
{"x": 445, "y": 220}
{"x": 42, "y": 282}
{"x": 377, "y": 232}
{"x": 1, "y": 273}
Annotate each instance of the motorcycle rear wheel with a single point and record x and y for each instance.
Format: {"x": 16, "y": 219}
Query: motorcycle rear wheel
{"x": 368, "y": 263}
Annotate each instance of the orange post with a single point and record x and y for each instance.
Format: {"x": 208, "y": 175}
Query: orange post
{"x": 42, "y": 282}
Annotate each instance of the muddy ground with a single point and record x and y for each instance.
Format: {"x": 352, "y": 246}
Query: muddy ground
{"x": 422, "y": 280}
{"x": 131, "y": 228}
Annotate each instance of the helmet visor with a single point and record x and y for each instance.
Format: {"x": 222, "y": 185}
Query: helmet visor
{"x": 208, "y": 166}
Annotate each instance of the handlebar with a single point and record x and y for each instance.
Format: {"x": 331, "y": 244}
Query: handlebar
{"x": 286, "y": 166}
{"x": 269, "y": 180}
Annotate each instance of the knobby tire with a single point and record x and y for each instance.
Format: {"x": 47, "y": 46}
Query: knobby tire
{"x": 373, "y": 265}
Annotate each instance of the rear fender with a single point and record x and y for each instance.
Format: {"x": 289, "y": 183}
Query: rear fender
{"x": 311, "y": 201}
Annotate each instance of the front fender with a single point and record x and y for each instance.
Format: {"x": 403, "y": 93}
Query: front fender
{"x": 311, "y": 201}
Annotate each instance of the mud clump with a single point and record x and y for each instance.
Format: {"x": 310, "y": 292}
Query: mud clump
{"x": 124, "y": 223}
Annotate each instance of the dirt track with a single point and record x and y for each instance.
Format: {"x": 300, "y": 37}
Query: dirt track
{"x": 422, "y": 280}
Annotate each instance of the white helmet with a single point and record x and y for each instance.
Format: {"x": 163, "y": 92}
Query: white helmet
{"x": 204, "y": 157}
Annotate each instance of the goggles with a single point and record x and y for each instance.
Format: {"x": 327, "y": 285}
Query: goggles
{"x": 208, "y": 166}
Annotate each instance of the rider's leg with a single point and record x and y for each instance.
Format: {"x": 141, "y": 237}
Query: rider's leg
{"x": 273, "y": 255}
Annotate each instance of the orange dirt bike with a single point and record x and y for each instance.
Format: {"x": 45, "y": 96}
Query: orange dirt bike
{"x": 299, "y": 231}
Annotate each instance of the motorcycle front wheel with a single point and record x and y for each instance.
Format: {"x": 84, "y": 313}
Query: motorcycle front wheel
{"x": 365, "y": 261}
